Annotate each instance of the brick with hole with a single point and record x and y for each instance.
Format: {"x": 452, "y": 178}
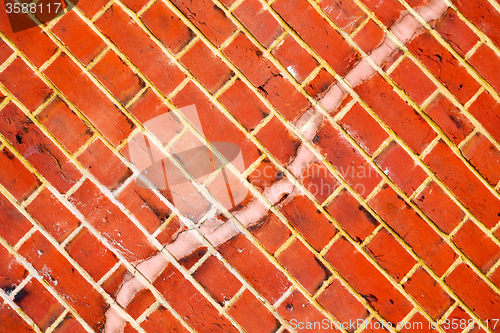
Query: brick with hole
{"x": 252, "y": 315}
{"x": 259, "y": 21}
{"x": 270, "y": 232}
{"x": 295, "y": 58}
{"x": 346, "y": 14}
{"x": 456, "y": 32}
{"x": 12, "y": 273}
{"x": 280, "y": 141}
{"x": 413, "y": 80}
{"x": 190, "y": 303}
{"x": 484, "y": 156}
{"x": 220, "y": 283}
{"x": 167, "y": 27}
{"x": 341, "y": 304}
{"x": 65, "y": 125}
{"x": 17, "y": 179}
{"x": 369, "y": 37}
{"x": 487, "y": 111}
{"x": 320, "y": 84}
{"x": 162, "y": 321}
{"x": 25, "y": 84}
{"x": 140, "y": 303}
{"x": 52, "y": 215}
{"x": 206, "y": 67}
{"x": 11, "y": 321}
{"x": 391, "y": 255}
{"x": 319, "y": 181}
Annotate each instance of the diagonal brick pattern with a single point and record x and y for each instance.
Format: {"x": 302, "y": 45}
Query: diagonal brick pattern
{"x": 364, "y": 197}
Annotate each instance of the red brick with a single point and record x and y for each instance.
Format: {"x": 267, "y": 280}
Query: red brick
{"x": 244, "y": 105}
{"x": 209, "y": 69}
{"x": 475, "y": 293}
{"x": 145, "y": 205}
{"x": 439, "y": 207}
{"x": 265, "y": 175}
{"x": 487, "y": 63}
{"x": 129, "y": 329}
{"x": 451, "y": 120}
{"x": 484, "y": 156}
{"x": 91, "y": 8}
{"x": 351, "y": 216}
{"x": 108, "y": 219}
{"x": 78, "y": 37}
{"x": 46, "y": 209}
{"x": 319, "y": 181}
{"x": 396, "y": 113}
{"x": 318, "y": 33}
{"x": 391, "y": 60}
{"x": 401, "y": 168}
{"x": 413, "y": 80}
{"x": 10, "y": 321}
{"x": 104, "y": 165}
{"x": 25, "y": 85}
{"x": 270, "y": 232}
{"x": 456, "y": 32}
{"x": 426, "y": 243}
{"x": 140, "y": 303}
{"x": 360, "y": 175}
{"x": 418, "y": 324}
{"x": 69, "y": 325}
{"x": 391, "y": 255}
{"x": 481, "y": 249}
{"x": 295, "y": 58}
{"x": 216, "y": 126}
{"x": 135, "y": 5}
{"x": 171, "y": 231}
{"x": 117, "y": 77}
{"x": 189, "y": 261}
{"x": 417, "y": 3}
{"x": 487, "y": 111}
{"x": 483, "y": 15}
{"x": 309, "y": 221}
{"x": 59, "y": 273}
{"x": 369, "y": 37}
{"x": 464, "y": 184}
{"x": 278, "y": 140}
{"x": 363, "y": 128}
{"x": 303, "y": 266}
{"x": 15, "y": 177}
{"x": 5, "y": 51}
{"x": 167, "y": 27}
{"x": 320, "y": 84}
{"x": 346, "y": 14}
{"x": 444, "y": 66}
{"x": 140, "y": 49}
{"x": 13, "y": 224}
{"x": 113, "y": 284}
{"x": 65, "y": 125}
{"x": 368, "y": 281}
{"x": 374, "y": 326}
{"x": 252, "y": 315}
{"x": 12, "y": 273}
{"x": 387, "y": 11}
{"x": 190, "y": 303}
{"x": 220, "y": 283}
{"x": 302, "y": 315}
{"x": 341, "y": 304}
{"x": 205, "y": 15}
{"x": 428, "y": 293}
{"x": 38, "y": 304}
{"x": 259, "y": 21}
{"x": 91, "y": 254}
{"x": 457, "y": 316}
{"x": 162, "y": 321}
{"x": 251, "y": 263}
{"x": 100, "y": 111}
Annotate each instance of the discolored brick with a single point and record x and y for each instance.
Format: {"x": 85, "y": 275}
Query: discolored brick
{"x": 387, "y": 11}
{"x": 270, "y": 232}
{"x": 369, "y": 37}
{"x": 10, "y": 321}
{"x": 278, "y": 140}
{"x": 140, "y": 303}
{"x": 456, "y": 32}
{"x": 15, "y": 177}
{"x": 295, "y": 58}
{"x": 346, "y": 14}
{"x": 12, "y": 273}
{"x": 69, "y": 325}
{"x": 320, "y": 84}
{"x": 319, "y": 181}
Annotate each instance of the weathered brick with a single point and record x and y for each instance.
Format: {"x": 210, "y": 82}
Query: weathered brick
{"x": 60, "y": 274}
{"x": 12, "y": 273}
{"x": 255, "y": 267}
{"x": 140, "y": 303}
{"x": 428, "y": 293}
{"x": 363, "y": 128}
{"x": 80, "y": 39}
{"x": 369, "y": 37}
{"x": 205, "y": 66}
{"x": 265, "y": 175}
{"x": 100, "y": 111}
{"x": 47, "y": 209}
{"x": 464, "y": 184}
{"x": 295, "y": 58}
{"x": 310, "y": 222}
{"x": 444, "y": 66}
{"x": 319, "y": 181}
{"x": 65, "y": 125}
{"x": 69, "y": 325}
{"x": 487, "y": 63}
{"x": 368, "y": 281}
{"x": 426, "y": 243}
{"x": 360, "y": 175}
{"x": 140, "y": 49}
{"x": 190, "y": 303}
{"x": 220, "y": 283}
{"x": 412, "y": 80}
{"x": 318, "y": 33}
{"x": 108, "y": 219}
{"x": 171, "y": 231}
{"x": 259, "y": 21}
{"x": 456, "y": 32}
{"x": 270, "y": 232}
{"x": 15, "y": 177}
{"x": 484, "y": 156}
{"x": 481, "y": 249}
{"x": 346, "y": 14}
{"x": 113, "y": 284}
{"x": 10, "y": 321}
{"x": 487, "y": 111}
{"x": 391, "y": 255}
{"x": 387, "y": 11}
{"x": 162, "y": 321}
{"x": 25, "y": 85}
{"x": 252, "y": 315}
{"x": 396, "y": 113}
{"x": 280, "y": 142}
{"x": 320, "y": 84}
